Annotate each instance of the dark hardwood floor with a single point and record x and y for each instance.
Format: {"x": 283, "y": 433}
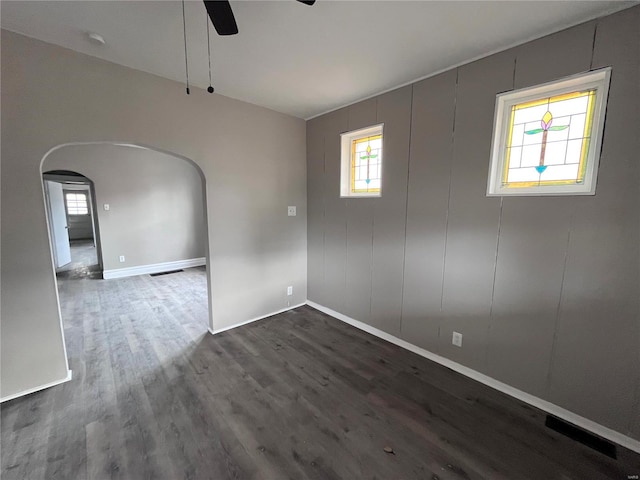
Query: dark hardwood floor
{"x": 299, "y": 395}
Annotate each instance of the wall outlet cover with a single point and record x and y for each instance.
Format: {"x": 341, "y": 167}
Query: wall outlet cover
{"x": 106, "y": 206}
{"x": 121, "y": 258}
{"x": 289, "y": 290}
{"x": 456, "y": 339}
{"x": 291, "y": 211}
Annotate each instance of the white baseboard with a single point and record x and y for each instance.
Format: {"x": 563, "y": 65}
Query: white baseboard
{"x": 153, "y": 268}
{"x": 37, "y": 389}
{"x": 224, "y": 329}
{"x": 582, "y": 422}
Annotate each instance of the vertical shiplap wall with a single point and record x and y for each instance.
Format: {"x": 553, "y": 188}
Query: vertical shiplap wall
{"x": 545, "y": 290}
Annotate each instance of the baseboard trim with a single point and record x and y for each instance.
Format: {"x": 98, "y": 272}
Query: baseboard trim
{"x": 37, "y": 389}
{"x": 537, "y": 402}
{"x": 224, "y": 329}
{"x": 153, "y": 268}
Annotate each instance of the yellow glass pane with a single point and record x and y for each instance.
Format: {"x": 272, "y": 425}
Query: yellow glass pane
{"x": 557, "y": 98}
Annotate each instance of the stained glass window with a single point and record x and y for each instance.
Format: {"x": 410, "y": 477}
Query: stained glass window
{"x": 549, "y": 144}
{"x": 548, "y": 141}
{"x": 361, "y": 162}
{"x": 366, "y": 164}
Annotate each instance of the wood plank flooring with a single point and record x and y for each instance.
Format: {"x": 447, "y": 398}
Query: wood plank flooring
{"x": 297, "y": 396}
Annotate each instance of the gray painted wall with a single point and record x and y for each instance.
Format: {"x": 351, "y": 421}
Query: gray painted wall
{"x": 545, "y": 290}
{"x": 253, "y": 160}
{"x": 155, "y": 202}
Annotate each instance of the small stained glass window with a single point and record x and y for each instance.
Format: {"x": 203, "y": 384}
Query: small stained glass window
{"x": 77, "y": 204}
{"x": 362, "y": 163}
{"x": 366, "y": 163}
{"x": 547, "y": 138}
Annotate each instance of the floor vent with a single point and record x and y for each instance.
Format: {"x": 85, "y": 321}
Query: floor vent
{"x": 582, "y": 436}
{"x": 165, "y": 273}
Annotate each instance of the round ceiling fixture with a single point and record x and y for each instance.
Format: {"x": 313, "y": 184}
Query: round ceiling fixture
{"x": 96, "y": 38}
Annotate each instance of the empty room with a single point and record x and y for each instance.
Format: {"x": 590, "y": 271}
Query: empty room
{"x": 325, "y": 239}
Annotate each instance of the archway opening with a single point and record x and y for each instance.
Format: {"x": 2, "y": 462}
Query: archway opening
{"x": 73, "y": 223}
{"x": 149, "y": 220}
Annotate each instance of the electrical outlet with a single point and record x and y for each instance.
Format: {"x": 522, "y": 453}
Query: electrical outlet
{"x": 457, "y": 339}
{"x": 106, "y": 206}
{"x": 121, "y": 258}
{"x": 291, "y": 211}
{"x": 290, "y": 290}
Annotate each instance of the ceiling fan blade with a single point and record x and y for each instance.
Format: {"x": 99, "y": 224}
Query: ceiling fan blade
{"x": 221, "y": 16}
{"x": 307, "y": 2}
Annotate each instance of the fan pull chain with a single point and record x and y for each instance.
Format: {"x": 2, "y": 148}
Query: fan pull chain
{"x": 186, "y": 61}
{"x": 210, "y": 88}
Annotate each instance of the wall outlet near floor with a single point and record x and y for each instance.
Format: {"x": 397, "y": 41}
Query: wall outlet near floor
{"x": 457, "y": 339}
{"x": 291, "y": 211}
{"x": 121, "y": 258}
{"x": 290, "y": 290}
{"x": 106, "y": 206}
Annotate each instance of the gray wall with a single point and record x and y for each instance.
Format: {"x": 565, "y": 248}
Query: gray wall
{"x": 253, "y": 160}
{"x": 545, "y": 290}
{"x": 155, "y": 202}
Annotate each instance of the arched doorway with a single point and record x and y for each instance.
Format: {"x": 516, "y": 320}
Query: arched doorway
{"x": 73, "y": 225}
{"x": 97, "y": 161}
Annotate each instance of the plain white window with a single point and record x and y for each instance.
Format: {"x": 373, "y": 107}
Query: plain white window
{"x": 76, "y": 203}
{"x": 546, "y": 139}
{"x": 361, "y": 162}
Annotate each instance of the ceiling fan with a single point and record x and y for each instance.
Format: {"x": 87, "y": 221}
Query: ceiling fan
{"x": 222, "y": 17}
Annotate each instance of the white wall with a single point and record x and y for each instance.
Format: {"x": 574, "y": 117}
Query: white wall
{"x": 155, "y": 202}
{"x": 253, "y": 160}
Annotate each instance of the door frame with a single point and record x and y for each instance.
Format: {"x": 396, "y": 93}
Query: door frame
{"x": 64, "y": 180}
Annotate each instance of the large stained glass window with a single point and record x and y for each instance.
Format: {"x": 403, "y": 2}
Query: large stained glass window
{"x": 547, "y": 139}
{"x": 366, "y": 164}
{"x": 361, "y": 162}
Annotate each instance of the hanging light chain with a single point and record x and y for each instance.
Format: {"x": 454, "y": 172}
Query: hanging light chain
{"x": 210, "y": 88}
{"x": 186, "y": 61}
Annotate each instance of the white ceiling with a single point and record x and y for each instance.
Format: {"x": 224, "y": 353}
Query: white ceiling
{"x": 297, "y": 59}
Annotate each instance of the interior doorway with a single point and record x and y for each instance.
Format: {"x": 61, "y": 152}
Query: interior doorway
{"x": 135, "y": 217}
{"x": 73, "y": 223}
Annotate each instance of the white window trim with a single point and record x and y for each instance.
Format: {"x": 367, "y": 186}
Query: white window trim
{"x": 598, "y": 79}
{"x": 345, "y": 160}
